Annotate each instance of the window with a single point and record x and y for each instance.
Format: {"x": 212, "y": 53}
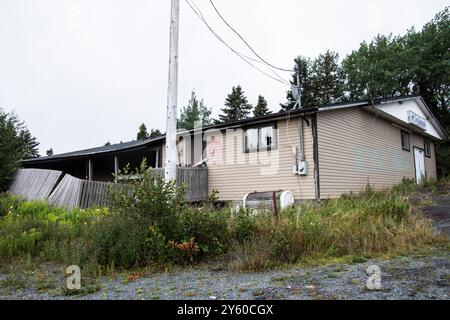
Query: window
{"x": 251, "y": 140}
{"x": 427, "y": 148}
{"x": 259, "y": 138}
{"x": 405, "y": 141}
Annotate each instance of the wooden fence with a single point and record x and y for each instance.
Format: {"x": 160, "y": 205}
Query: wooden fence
{"x": 71, "y": 192}
{"x": 34, "y": 184}
{"x": 195, "y": 180}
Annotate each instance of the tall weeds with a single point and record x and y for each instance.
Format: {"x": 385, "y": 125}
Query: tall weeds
{"x": 150, "y": 223}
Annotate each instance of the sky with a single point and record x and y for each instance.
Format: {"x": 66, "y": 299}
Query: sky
{"x": 84, "y": 72}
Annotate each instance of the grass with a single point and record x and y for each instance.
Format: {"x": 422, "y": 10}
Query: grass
{"x": 351, "y": 229}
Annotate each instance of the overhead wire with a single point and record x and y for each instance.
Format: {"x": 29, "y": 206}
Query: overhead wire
{"x": 246, "y": 43}
{"x": 245, "y": 58}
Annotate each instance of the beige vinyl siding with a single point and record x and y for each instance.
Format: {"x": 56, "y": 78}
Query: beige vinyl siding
{"x": 356, "y": 147}
{"x": 430, "y": 163}
{"x": 233, "y": 179}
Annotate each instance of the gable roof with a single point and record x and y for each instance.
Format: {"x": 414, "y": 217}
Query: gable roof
{"x": 133, "y": 145}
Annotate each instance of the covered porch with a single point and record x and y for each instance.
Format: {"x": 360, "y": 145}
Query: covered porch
{"x": 101, "y": 164}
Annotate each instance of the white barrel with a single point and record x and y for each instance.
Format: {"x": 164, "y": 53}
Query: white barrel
{"x": 286, "y": 199}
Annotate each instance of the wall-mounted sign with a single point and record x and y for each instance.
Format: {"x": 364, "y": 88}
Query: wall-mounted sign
{"x": 418, "y": 121}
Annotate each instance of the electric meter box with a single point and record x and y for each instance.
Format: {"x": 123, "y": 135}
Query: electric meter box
{"x": 302, "y": 168}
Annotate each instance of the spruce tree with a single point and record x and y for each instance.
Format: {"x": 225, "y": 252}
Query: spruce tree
{"x": 142, "y": 134}
{"x": 327, "y": 79}
{"x": 49, "y": 152}
{"x": 304, "y": 66}
{"x": 30, "y": 143}
{"x": 261, "y": 107}
{"x": 194, "y": 111}
{"x": 236, "y": 106}
{"x": 155, "y": 133}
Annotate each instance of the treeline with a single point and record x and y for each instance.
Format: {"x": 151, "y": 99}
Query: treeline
{"x": 414, "y": 63}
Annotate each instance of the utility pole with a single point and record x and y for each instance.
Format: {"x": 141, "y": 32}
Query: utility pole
{"x": 299, "y": 101}
{"x": 172, "y": 91}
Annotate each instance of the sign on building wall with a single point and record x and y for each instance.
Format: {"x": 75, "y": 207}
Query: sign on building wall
{"x": 418, "y": 121}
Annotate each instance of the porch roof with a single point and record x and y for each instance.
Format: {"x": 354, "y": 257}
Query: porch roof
{"x": 104, "y": 150}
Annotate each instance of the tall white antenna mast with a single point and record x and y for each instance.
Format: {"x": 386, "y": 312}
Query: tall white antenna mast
{"x": 297, "y": 93}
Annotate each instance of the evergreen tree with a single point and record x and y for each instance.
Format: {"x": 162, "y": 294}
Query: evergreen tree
{"x": 236, "y": 106}
{"x": 304, "y": 67}
{"x": 327, "y": 79}
{"x": 49, "y": 152}
{"x": 321, "y": 81}
{"x": 261, "y": 107}
{"x": 194, "y": 111}
{"x": 29, "y": 143}
{"x": 155, "y": 133}
{"x": 107, "y": 143}
{"x": 142, "y": 134}
{"x": 16, "y": 143}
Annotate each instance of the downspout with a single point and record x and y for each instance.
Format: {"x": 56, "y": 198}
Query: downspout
{"x": 315, "y": 155}
{"x": 302, "y": 140}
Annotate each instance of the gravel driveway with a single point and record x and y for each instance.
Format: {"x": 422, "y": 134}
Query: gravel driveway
{"x": 403, "y": 278}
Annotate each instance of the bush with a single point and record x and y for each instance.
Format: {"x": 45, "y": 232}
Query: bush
{"x": 151, "y": 223}
{"x": 8, "y": 203}
{"x": 208, "y": 228}
{"x": 120, "y": 241}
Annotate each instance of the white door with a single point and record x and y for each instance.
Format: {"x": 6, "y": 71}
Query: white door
{"x": 419, "y": 160}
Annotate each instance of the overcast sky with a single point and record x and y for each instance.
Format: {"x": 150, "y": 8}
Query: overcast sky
{"x": 81, "y": 73}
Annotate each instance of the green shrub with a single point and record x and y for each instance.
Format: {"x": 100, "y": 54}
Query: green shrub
{"x": 8, "y": 203}
{"x": 152, "y": 199}
{"x": 243, "y": 225}
{"x": 119, "y": 241}
{"x": 208, "y": 228}
{"x": 152, "y": 223}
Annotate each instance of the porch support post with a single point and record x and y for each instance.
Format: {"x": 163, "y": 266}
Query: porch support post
{"x": 116, "y": 165}
{"x": 157, "y": 159}
{"x": 90, "y": 170}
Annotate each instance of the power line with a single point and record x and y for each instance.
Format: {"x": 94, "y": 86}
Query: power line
{"x": 246, "y": 43}
{"x": 240, "y": 55}
{"x": 199, "y": 14}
